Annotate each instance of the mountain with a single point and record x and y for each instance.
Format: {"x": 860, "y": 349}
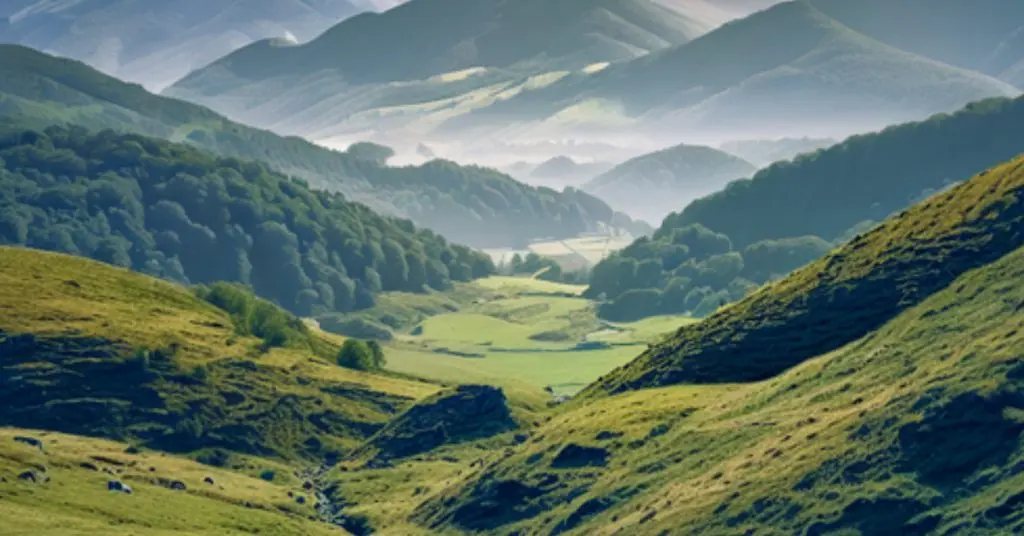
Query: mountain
{"x": 172, "y": 211}
{"x": 719, "y": 10}
{"x": 787, "y": 70}
{"x": 876, "y": 392}
{"x": 864, "y": 179}
{"x": 764, "y": 152}
{"x": 563, "y": 170}
{"x": 651, "y": 186}
{"x": 479, "y": 51}
{"x": 719, "y": 248}
{"x": 488, "y": 33}
{"x": 466, "y": 204}
{"x": 983, "y": 35}
{"x": 156, "y": 43}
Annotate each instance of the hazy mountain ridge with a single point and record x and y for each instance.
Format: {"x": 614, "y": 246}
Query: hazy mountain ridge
{"x": 814, "y": 67}
{"x": 652, "y": 186}
{"x": 982, "y": 35}
{"x": 156, "y": 43}
{"x": 467, "y": 204}
{"x": 490, "y": 34}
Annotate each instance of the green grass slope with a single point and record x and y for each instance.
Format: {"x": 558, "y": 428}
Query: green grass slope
{"x": 465, "y": 204}
{"x": 914, "y": 429}
{"x": 788, "y": 65}
{"x": 843, "y": 296}
{"x": 96, "y": 350}
{"x": 69, "y": 495}
{"x": 865, "y": 178}
{"x": 651, "y": 186}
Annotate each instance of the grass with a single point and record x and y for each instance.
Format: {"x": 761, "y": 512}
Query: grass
{"x": 912, "y": 429}
{"x": 843, "y": 296}
{"x": 73, "y": 334}
{"x": 75, "y": 500}
{"x": 520, "y": 333}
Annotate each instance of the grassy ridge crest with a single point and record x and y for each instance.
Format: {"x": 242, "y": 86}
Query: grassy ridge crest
{"x": 843, "y": 296}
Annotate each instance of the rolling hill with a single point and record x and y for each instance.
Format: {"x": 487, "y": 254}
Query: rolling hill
{"x": 845, "y": 295}
{"x": 100, "y": 351}
{"x": 156, "y": 43}
{"x": 876, "y": 392}
{"x": 787, "y": 70}
{"x": 479, "y": 52}
{"x": 488, "y": 33}
{"x": 764, "y": 152}
{"x": 651, "y": 186}
{"x": 862, "y": 180}
{"x": 173, "y": 211}
{"x": 466, "y": 204}
{"x": 564, "y": 170}
{"x": 718, "y": 248}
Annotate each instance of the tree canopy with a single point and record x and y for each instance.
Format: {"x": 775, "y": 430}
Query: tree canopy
{"x": 173, "y": 211}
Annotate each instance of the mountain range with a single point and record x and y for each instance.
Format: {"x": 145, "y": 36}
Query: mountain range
{"x": 776, "y": 72}
{"x": 466, "y": 203}
{"x": 156, "y": 43}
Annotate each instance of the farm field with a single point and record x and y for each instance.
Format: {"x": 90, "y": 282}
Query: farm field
{"x": 516, "y": 332}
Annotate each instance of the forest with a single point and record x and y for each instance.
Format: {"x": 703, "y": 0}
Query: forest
{"x": 173, "y": 211}
{"x": 691, "y": 270}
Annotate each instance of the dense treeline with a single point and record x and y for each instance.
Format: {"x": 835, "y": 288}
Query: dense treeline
{"x": 466, "y": 204}
{"x": 865, "y": 178}
{"x": 483, "y": 207}
{"x": 691, "y": 270}
{"x": 173, "y": 211}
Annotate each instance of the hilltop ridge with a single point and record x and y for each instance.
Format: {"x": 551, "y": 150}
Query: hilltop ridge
{"x": 843, "y": 296}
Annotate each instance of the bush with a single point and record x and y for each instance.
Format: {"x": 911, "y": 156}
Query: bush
{"x": 356, "y": 355}
{"x": 254, "y": 316}
{"x": 377, "y": 351}
{"x": 632, "y": 305}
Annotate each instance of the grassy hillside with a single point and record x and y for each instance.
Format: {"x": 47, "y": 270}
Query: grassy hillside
{"x": 96, "y": 350}
{"x": 867, "y": 177}
{"x": 914, "y": 429}
{"x": 173, "y": 211}
{"x": 654, "y": 185}
{"x": 789, "y": 65}
{"x": 70, "y": 494}
{"x": 465, "y": 204}
{"x": 844, "y": 296}
{"x": 720, "y": 247}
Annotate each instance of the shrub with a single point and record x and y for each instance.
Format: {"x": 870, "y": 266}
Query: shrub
{"x": 356, "y": 355}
